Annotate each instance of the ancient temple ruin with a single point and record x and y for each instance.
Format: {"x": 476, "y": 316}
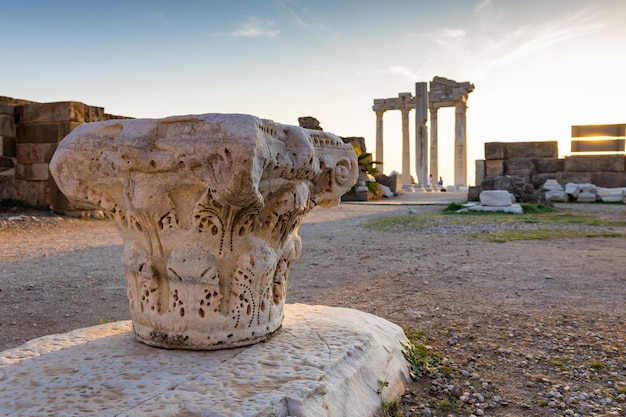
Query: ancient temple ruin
{"x": 443, "y": 93}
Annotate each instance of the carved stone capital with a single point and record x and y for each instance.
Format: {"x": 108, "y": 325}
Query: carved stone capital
{"x": 209, "y": 207}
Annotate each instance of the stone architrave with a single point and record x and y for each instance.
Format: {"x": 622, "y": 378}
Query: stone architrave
{"x": 209, "y": 207}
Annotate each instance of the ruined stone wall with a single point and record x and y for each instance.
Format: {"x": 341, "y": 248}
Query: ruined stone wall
{"x": 522, "y": 167}
{"x": 30, "y": 133}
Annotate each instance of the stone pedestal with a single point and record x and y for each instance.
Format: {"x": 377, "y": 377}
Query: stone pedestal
{"x": 325, "y": 362}
{"x": 209, "y": 207}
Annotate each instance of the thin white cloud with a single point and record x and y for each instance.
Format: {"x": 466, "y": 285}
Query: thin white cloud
{"x": 528, "y": 40}
{"x": 445, "y": 36}
{"x": 255, "y": 27}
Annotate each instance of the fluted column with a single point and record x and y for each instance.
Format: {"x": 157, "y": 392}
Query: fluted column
{"x": 379, "y": 136}
{"x": 460, "y": 144}
{"x": 421, "y": 132}
{"x": 406, "y": 149}
{"x": 434, "y": 163}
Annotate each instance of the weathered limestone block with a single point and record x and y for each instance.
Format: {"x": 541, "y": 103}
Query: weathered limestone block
{"x": 327, "y": 363}
{"x": 209, "y": 208}
{"x": 480, "y": 171}
{"x": 557, "y": 195}
{"x": 611, "y": 195}
{"x": 609, "y": 179}
{"x": 586, "y": 197}
{"x": 543, "y": 149}
{"x": 496, "y": 198}
{"x": 573, "y": 189}
{"x": 35, "y": 153}
{"x": 62, "y": 111}
{"x": 44, "y": 132}
{"x": 548, "y": 165}
{"x": 519, "y": 166}
{"x": 595, "y": 163}
{"x": 494, "y": 167}
{"x": 552, "y": 185}
{"x": 494, "y": 150}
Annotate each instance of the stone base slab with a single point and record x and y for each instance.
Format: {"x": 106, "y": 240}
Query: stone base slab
{"x": 324, "y": 362}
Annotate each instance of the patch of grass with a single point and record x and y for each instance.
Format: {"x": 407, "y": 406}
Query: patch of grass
{"x": 453, "y": 208}
{"x": 512, "y": 235}
{"x": 392, "y": 408}
{"x": 415, "y": 335}
{"x": 597, "y": 365}
{"x": 11, "y": 202}
{"x": 443, "y": 405}
{"x": 537, "y": 208}
{"x": 422, "y": 360}
{"x": 559, "y": 362}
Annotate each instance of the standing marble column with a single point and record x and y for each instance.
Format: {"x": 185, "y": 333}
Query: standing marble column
{"x": 406, "y": 149}
{"x": 379, "y": 136}
{"x": 460, "y": 144}
{"x": 421, "y": 132}
{"x": 434, "y": 163}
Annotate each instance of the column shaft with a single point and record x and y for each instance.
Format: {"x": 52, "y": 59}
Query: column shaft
{"x": 406, "y": 149}
{"x": 434, "y": 145}
{"x": 460, "y": 145}
{"x": 379, "y": 137}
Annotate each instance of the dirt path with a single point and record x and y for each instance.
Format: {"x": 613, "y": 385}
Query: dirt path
{"x": 526, "y": 328}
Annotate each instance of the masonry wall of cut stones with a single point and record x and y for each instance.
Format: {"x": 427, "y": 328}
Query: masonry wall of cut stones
{"x": 522, "y": 167}
{"x": 29, "y": 135}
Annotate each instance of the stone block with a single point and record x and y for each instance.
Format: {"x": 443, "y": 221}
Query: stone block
{"x": 552, "y": 185}
{"x": 609, "y": 179}
{"x": 44, "y": 132}
{"x": 32, "y": 172}
{"x": 327, "y": 362}
{"x": 35, "y": 193}
{"x": 545, "y": 149}
{"x": 7, "y": 109}
{"x": 557, "y": 195}
{"x": 63, "y": 111}
{"x": 7, "y": 128}
{"x": 494, "y": 167}
{"x": 586, "y": 197}
{"x": 480, "y": 171}
{"x": 548, "y": 165}
{"x": 7, "y": 186}
{"x": 494, "y": 150}
{"x": 6, "y": 162}
{"x": 473, "y": 193}
{"x": 497, "y": 198}
{"x": 611, "y": 195}
{"x": 34, "y": 153}
{"x": 94, "y": 114}
{"x": 575, "y": 177}
{"x": 518, "y": 166}
{"x": 572, "y": 189}
{"x": 8, "y": 146}
{"x": 595, "y": 163}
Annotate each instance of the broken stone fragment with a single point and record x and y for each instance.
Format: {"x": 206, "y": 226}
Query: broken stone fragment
{"x": 209, "y": 208}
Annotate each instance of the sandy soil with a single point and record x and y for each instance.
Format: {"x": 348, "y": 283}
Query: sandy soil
{"x": 526, "y": 328}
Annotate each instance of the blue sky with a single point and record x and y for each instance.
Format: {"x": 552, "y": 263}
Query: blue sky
{"x": 538, "y": 66}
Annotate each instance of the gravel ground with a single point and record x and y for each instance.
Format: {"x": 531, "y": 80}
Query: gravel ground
{"x": 523, "y": 328}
